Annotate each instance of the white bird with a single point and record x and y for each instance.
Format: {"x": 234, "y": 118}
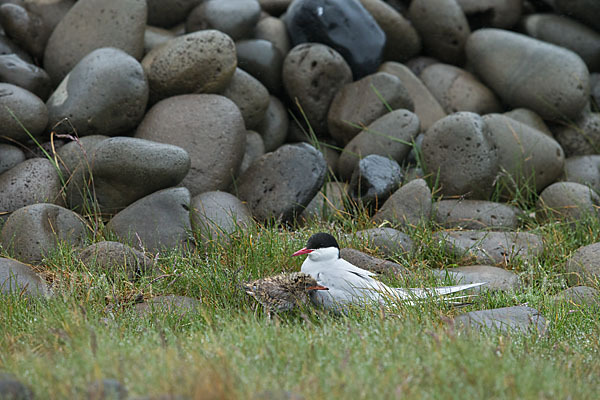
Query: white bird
{"x": 351, "y": 285}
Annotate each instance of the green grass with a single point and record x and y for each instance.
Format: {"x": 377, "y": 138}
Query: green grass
{"x": 229, "y": 349}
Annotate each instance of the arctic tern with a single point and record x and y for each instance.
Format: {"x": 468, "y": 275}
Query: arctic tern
{"x": 351, "y": 285}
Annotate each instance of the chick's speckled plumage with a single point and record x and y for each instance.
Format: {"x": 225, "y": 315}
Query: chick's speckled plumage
{"x": 284, "y": 291}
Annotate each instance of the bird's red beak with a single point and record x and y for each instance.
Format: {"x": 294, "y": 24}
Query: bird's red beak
{"x": 302, "y": 251}
{"x": 318, "y": 287}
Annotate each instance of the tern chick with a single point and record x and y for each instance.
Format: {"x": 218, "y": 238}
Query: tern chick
{"x": 283, "y": 292}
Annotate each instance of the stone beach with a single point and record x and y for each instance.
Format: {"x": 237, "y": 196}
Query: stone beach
{"x": 180, "y": 122}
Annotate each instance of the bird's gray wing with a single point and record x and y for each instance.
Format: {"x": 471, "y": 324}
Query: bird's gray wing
{"x": 421, "y": 293}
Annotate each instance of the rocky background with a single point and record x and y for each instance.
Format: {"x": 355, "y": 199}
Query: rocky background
{"x": 145, "y": 121}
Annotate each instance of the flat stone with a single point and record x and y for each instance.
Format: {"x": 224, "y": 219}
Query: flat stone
{"x": 199, "y": 62}
{"x": 374, "y": 179}
{"x": 388, "y": 241}
{"x": 495, "y": 278}
{"x": 460, "y": 152}
{"x": 443, "y": 28}
{"x": 235, "y": 18}
{"x": 36, "y": 231}
{"x": 10, "y": 156}
{"x": 167, "y": 13}
{"x": 390, "y": 136}
{"x": 581, "y": 136}
{"x": 584, "y": 170}
{"x": 312, "y": 75}
{"x": 526, "y": 72}
{"x": 158, "y": 222}
{"x": 491, "y": 247}
{"x": 209, "y": 127}
{"x": 274, "y": 126}
{"x": 459, "y": 90}
{"x": 519, "y": 318}
{"x": 568, "y": 200}
{"x": 492, "y": 13}
{"x": 21, "y": 112}
{"x": 123, "y": 170}
{"x": 359, "y": 103}
{"x": 261, "y": 59}
{"x": 409, "y": 205}
{"x": 583, "y": 267}
{"x": 31, "y": 181}
{"x": 476, "y": 214}
{"x": 251, "y": 97}
{"x": 30, "y": 77}
{"x": 180, "y": 305}
{"x": 527, "y": 155}
{"x": 110, "y": 258}
{"x": 427, "y": 108}
{"x": 579, "y": 295}
{"x": 280, "y": 184}
{"x": 216, "y": 215}
{"x": 255, "y": 148}
{"x": 344, "y": 26}
{"x": 105, "y": 94}
{"x": 16, "y": 277}
{"x": 90, "y": 25}
{"x": 371, "y": 263}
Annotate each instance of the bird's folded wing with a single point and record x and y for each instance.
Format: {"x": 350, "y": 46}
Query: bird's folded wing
{"x": 421, "y": 293}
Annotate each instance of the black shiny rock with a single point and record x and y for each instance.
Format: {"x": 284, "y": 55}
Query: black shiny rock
{"x": 344, "y": 25}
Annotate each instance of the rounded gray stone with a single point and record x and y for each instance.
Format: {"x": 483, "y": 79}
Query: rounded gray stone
{"x": 427, "y": 108}
{"x": 26, "y": 29}
{"x": 492, "y": 13}
{"x": 495, "y": 278}
{"x": 581, "y": 136}
{"x": 105, "y": 94}
{"x": 158, "y": 222}
{"x": 584, "y": 170}
{"x": 491, "y": 247}
{"x": 370, "y": 263}
{"x": 312, "y": 75}
{"x": 518, "y": 318}
{"x": 36, "y": 231}
{"x": 273, "y": 30}
{"x": 274, "y": 126}
{"x": 402, "y": 39}
{"x": 587, "y": 11}
{"x": 530, "y": 157}
{"x": 390, "y": 135}
{"x": 154, "y": 37}
{"x": 166, "y": 13}
{"x": 476, "y": 214}
{"x": 530, "y": 118}
{"x": 460, "y": 153}
{"x": 251, "y": 97}
{"x": 579, "y": 295}
{"x": 388, "y": 241}
{"x": 110, "y": 258}
{"x": 199, "y": 62}
{"x": 583, "y": 267}
{"x": 31, "y": 181}
{"x": 261, "y": 59}
{"x": 526, "y": 72}
{"x": 125, "y": 169}
{"x": 280, "y": 184}
{"x": 568, "y": 33}
{"x": 30, "y": 77}
{"x": 374, "y": 179}
{"x": 16, "y": 277}
{"x": 90, "y": 25}
{"x": 443, "y": 28}
{"x": 568, "y": 200}
{"x": 20, "y": 112}
{"x": 459, "y": 90}
{"x": 361, "y": 102}
{"x": 8, "y": 47}
{"x": 255, "y": 148}
{"x": 216, "y": 215}
{"x": 209, "y": 127}
{"x": 10, "y": 156}
{"x": 409, "y": 205}
{"x": 235, "y": 18}
{"x": 78, "y": 154}
{"x": 330, "y": 200}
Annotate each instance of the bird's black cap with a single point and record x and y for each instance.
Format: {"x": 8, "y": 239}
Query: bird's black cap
{"x": 321, "y": 240}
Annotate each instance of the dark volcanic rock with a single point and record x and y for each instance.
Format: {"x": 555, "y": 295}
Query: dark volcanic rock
{"x": 569, "y": 200}
{"x": 261, "y": 59}
{"x": 387, "y": 240}
{"x": 166, "y": 13}
{"x": 280, "y": 184}
{"x": 495, "y": 278}
{"x": 581, "y": 136}
{"x": 476, "y": 214}
{"x": 236, "y": 18}
{"x": 518, "y": 318}
{"x": 20, "y": 108}
{"x": 10, "y": 156}
{"x": 342, "y": 25}
{"x": 584, "y": 170}
{"x": 274, "y": 126}
{"x": 371, "y": 263}
{"x": 579, "y": 295}
{"x": 375, "y": 178}
{"x": 215, "y": 215}
{"x": 409, "y": 205}
{"x": 112, "y": 257}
